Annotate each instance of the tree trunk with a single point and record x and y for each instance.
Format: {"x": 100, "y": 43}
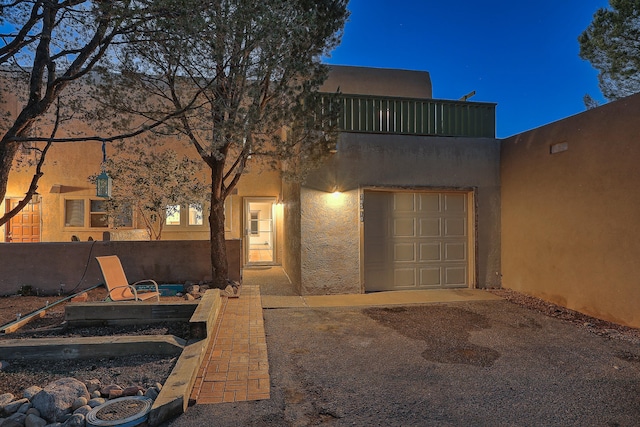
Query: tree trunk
{"x": 8, "y": 152}
{"x": 219, "y": 266}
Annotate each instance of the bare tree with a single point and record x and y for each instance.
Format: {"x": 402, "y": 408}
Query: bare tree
{"x": 46, "y": 45}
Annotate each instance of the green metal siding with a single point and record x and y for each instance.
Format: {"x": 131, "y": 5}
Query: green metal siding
{"x": 371, "y": 114}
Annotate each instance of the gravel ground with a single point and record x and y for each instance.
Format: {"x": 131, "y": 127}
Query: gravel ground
{"x": 483, "y": 363}
{"x": 517, "y": 362}
{"x": 141, "y": 370}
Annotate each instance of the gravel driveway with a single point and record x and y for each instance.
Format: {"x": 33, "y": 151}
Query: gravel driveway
{"x": 457, "y": 364}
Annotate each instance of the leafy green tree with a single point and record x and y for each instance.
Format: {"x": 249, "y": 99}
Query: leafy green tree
{"x": 153, "y": 183}
{"x": 612, "y": 44}
{"x": 236, "y": 80}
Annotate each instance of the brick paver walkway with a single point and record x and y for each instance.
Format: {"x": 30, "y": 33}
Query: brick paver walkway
{"x": 235, "y": 367}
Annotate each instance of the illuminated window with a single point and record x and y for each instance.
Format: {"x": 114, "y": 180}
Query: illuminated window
{"x": 173, "y": 215}
{"x": 255, "y": 222}
{"x": 195, "y": 214}
{"x": 74, "y": 213}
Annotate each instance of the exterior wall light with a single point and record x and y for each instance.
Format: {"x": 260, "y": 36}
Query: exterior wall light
{"x": 103, "y": 181}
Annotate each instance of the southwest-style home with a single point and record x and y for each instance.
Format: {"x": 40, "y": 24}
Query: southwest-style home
{"x": 418, "y": 195}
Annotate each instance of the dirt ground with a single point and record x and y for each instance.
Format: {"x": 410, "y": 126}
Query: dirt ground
{"x": 476, "y": 363}
{"x": 141, "y": 370}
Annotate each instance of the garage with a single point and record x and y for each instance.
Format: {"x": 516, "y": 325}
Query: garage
{"x": 417, "y": 240}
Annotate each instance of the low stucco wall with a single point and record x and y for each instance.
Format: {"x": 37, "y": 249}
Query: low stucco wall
{"x": 47, "y": 266}
{"x": 570, "y": 220}
{"x": 394, "y": 162}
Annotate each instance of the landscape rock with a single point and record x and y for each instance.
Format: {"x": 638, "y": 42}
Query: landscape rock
{"x": 131, "y": 391}
{"x": 3, "y": 365}
{"x": 29, "y": 392}
{"x": 93, "y": 385}
{"x": 76, "y": 420}
{"x": 25, "y": 407}
{"x": 34, "y": 421}
{"x": 96, "y": 401}
{"x": 79, "y": 402}
{"x": 14, "y": 406}
{"x": 106, "y": 390}
{"x": 151, "y": 393}
{"x": 96, "y": 394}
{"x": 56, "y": 399}
{"x": 33, "y": 411}
{"x": 83, "y": 410}
{"x": 15, "y": 420}
{"x": 6, "y": 398}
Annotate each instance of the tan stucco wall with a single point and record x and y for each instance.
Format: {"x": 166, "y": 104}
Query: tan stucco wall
{"x": 330, "y": 242}
{"x": 395, "y": 162}
{"x": 47, "y": 266}
{"x": 291, "y": 238}
{"x": 378, "y": 81}
{"x": 570, "y": 221}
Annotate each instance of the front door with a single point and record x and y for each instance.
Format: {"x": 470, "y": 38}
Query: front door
{"x": 259, "y": 226}
{"x": 25, "y": 226}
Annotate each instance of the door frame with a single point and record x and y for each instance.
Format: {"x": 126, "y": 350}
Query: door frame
{"x": 246, "y": 227}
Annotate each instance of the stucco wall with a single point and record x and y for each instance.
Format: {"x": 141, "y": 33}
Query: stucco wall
{"x": 378, "y": 81}
{"x": 330, "y": 242}
{"x": 291, "y": 237}
{"x": 570, "y": 221}
{"x": 45, "y": 266}
{"x": 399, "y": 162}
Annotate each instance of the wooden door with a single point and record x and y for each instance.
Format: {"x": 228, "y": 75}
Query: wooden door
{"x": 25, "y": 226}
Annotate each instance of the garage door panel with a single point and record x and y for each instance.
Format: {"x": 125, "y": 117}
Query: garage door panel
{"x": 404, "y": 202}
{"x": 430, "y": 252}
{"x": 430, "y": 277}
{"x": 404, "y": 278}
{"x": 455, "y": 252}
{"x": 430, "y": 202}
{"x": 455, "y": 203}
{"x": 404, "y": 252}
{"x": 455, "y": 276}
{"x": 430, "y": 227}
{"x": 455, "y": 227}
{"x": 416, "y": 240}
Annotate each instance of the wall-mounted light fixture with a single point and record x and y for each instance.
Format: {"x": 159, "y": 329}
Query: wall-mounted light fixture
{"x": 103, "y": 181}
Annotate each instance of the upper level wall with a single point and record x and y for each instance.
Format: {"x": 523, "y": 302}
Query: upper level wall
{"x": 393, "y": 162}
{"x": 378, "y": 81}
{"x": 570, "y": 220}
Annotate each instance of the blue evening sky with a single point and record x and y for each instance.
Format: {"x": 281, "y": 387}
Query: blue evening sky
{"x": 522, "y": 55}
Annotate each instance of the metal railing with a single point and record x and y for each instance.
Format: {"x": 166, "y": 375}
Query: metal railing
{"x": 375, "y": 114}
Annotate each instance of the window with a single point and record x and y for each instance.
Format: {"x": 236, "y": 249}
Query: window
{"x": 195, "y": 214}
{"x": 93, "y": 213}
{"x": 74, "y": 213}
{"x": 98, "y": 215}
{"x": 173, "y": 215}
{"x": 255, "y": 222}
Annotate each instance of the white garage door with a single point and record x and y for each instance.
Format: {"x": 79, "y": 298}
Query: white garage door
{"x": 416, "y": 240}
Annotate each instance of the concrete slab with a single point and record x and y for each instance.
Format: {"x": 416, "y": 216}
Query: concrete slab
{"x": 379, "y": 298}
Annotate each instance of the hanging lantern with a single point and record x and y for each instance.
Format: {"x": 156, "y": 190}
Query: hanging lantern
{"x": 103, "y": 185}
{"x": 103, "y": 181}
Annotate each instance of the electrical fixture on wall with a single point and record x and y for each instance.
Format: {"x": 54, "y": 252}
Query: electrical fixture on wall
{"x": 103, "y": 181}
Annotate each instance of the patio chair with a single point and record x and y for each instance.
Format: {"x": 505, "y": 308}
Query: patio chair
{"x": 118, "y": 286}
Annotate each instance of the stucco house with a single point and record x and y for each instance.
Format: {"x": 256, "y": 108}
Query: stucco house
{"x": 419, "y": 194}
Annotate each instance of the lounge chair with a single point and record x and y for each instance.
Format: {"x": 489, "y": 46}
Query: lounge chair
{"x": 118, "y": 286}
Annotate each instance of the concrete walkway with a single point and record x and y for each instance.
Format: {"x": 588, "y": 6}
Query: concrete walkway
{"x": 236, "y": 365}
